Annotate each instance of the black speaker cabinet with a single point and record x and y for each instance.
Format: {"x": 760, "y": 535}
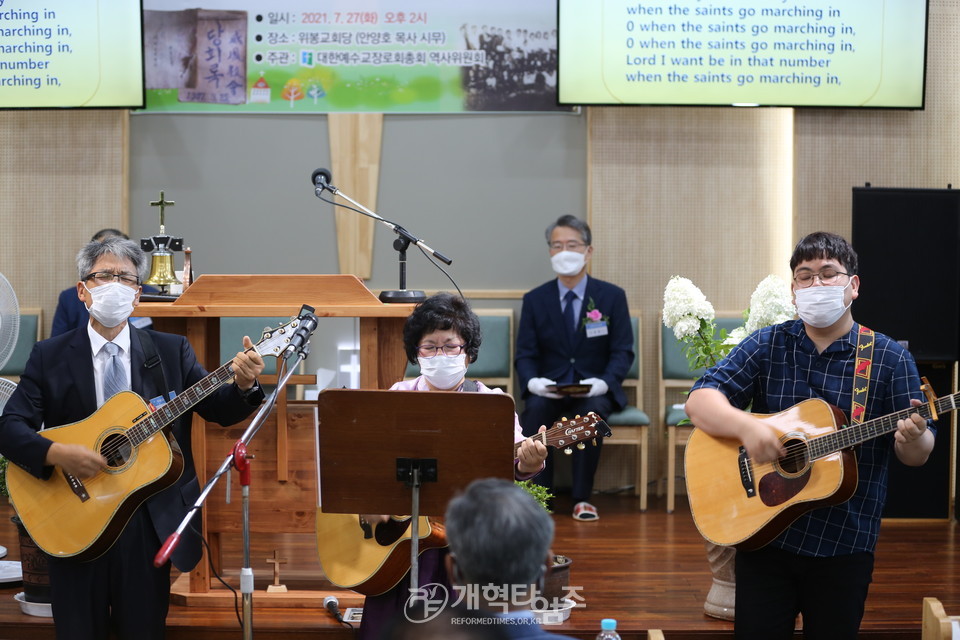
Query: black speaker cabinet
{"x": 924, "y": 492}
{"x": 908, "y": 242}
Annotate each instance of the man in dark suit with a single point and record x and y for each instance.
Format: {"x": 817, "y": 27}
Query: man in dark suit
{"x": 574, "y": 330}
{"x": 66, "y": 379}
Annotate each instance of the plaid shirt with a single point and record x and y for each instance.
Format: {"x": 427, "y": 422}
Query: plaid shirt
{"x": 777, "y": 367}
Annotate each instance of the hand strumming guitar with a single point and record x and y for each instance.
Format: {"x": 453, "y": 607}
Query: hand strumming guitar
{"x": 75, "y": 459}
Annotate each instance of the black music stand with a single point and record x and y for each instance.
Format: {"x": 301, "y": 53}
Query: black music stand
{"x": 401, "y": 452}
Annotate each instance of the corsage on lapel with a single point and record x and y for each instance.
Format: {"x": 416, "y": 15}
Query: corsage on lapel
{"x": 595, "y": 322}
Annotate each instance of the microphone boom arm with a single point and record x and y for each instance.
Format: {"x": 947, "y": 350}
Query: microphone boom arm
{"x": 400, "y": 231}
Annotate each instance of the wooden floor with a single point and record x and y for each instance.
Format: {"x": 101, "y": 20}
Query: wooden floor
{"x": 647, "y": 570}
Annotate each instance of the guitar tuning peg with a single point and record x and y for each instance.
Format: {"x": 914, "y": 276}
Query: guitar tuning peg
{"x": 568, "y": 451}
{"x": 581, "y": 446}
{"x": 593, "y": 442}
{"x": 563, "y": 419}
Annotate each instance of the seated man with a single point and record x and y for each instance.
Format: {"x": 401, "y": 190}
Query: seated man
{"x": 574, "y": 330}
{"x": 499, "y": 553}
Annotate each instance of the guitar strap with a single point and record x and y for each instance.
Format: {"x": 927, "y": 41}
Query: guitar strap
{"x": 861, "y": 373}
{"x": 471, "y": 386}
{"x": 152, "y": 361}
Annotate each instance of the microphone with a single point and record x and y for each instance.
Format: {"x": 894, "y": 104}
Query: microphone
{"x": 321, "y": 180}
{"x": 308, "y": 324}
{"x": 331, "y": 604}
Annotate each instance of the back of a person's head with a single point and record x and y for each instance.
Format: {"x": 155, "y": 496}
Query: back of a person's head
{"x": 498, "y": 535}
{"x": 103, "y": 234}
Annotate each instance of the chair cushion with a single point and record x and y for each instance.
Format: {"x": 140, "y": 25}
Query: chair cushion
{"x": 674, "y": 416}
{"x": 629, "y": 417}
{"x": 26, "y": 338}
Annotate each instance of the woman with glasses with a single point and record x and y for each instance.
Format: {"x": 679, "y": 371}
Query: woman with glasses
{"x": 442, "y": 335}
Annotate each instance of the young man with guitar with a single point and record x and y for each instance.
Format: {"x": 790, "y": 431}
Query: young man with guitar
{"x": 813, "y": 557}
{"x": 110, "y": 586}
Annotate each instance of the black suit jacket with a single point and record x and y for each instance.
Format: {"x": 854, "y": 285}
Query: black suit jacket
{"x": 58, "y": 388}
{"x": 545, "y": 348}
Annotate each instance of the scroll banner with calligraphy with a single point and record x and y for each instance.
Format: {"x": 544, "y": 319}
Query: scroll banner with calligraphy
{"x": 383, "y": 56}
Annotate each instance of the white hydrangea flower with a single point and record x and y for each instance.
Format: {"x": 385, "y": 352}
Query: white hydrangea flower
{"x": 686, "y": 327}
{"x": 771, "y": 303}
{"x": 683, "y": 301}
{"x": 736, "y": 336}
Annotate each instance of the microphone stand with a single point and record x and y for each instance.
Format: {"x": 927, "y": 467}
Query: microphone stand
{"x": 238, "y": 458}
{"x": 401, "y": 295}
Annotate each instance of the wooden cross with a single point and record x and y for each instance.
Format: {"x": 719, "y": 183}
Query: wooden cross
{"x": 276, "y": 562}
{"x": 162, "y": 204}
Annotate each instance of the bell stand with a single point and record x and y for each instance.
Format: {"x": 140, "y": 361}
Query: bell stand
{"x": 161, "y": 248}
{"x": 238, "y": 458}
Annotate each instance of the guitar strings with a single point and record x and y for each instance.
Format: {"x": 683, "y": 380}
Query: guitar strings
{"x": 799, "y": 452}
{"x": 151, "y": 420}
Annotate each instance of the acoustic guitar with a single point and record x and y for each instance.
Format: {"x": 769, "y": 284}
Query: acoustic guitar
{"x": 373, "y": 559}
{"x": 738, "y": 502}
{"x": 72, "y": 518}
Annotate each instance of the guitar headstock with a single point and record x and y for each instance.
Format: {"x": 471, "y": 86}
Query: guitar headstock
{"x": 566, "y": 433}
{"x": 273, "y": 341}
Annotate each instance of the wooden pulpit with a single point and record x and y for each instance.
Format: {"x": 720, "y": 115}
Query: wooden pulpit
{"x": 285, "y": 472}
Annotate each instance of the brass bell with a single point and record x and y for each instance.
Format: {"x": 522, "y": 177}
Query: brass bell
{"x": 161, "y": 269}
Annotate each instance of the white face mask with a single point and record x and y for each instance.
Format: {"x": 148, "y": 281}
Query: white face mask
{"x": 112, "y": 303}
{"x": 568, "y": 263}
{"x": 821, "y": 306}
{"x": 443, "y": 372}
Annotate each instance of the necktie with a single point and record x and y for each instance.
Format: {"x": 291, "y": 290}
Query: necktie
{"x": 114, "y": 377}
{"x": 568, "y": 316}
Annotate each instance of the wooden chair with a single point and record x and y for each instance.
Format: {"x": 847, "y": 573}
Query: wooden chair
{"x": 677, "y": 377}
{"x": 31, "y": 332}
{"x": 937, "y": 625}
{"x": 494, "y": 365}
{"x": 631, "y": 426}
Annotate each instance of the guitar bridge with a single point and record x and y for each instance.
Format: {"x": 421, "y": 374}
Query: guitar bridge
{"x": 746, "y": 473}
{"x": 76, "y": 485}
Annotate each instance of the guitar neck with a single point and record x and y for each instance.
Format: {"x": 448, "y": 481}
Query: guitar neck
{"x": 855, "y": 434}
{"x": 565, "y": 433}
{"x": 172, "y": 410}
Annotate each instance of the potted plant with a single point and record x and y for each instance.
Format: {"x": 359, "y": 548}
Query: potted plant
{"x": 558, "y": 576}
{"x": 33, "y": 561}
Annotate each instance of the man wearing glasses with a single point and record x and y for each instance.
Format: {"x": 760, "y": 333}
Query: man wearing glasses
{"x": 66, "y": 379}
{"x": 574, "y": 348}
{"x": 821, "y": 565}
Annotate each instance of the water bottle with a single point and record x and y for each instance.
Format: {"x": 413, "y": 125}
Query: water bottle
{"x": 608, "y": 630}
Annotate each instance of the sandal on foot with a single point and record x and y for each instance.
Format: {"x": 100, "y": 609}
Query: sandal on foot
{"x": 584, "y": 511}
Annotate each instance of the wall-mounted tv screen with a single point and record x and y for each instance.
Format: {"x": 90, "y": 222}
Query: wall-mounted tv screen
{"x": 71, "y": 53}
{"x": 812, "y": 53}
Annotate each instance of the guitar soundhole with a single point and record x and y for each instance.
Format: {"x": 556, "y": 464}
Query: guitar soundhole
{"x": 796, "y": 460}
{"x": 117, "y": 450}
